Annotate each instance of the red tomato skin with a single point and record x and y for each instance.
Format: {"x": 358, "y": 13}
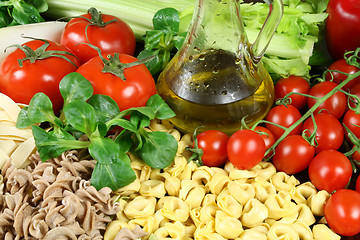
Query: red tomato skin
{"x": 357, "y": 184}
{"x": 115, "y": 37}
{"x": 330, "y": 170}
{"x": 352, "y": 121}
{"x": 283, "y": 116}
{"x": 342, "y": 212}
{"x": 214, "y": 146}
{"x": 293, "y": 154}
{"x": 21, "y": 83}
{"x": 342, "y": 27}
{"x": 355, "y": 90}
{"x": 342, "y": 66}
{"x": 356, "y": 157}
{"x": 335, "y": 105}
{"x": 138, "y": 87}
{"x": 329, "y": 133}
{"x": 266, "y": 135}
{"x": 245, "y": 149}
{"x": 293, "y": 84}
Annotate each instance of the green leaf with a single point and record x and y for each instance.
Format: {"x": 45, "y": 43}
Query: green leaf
{"x": 23, "y": 120}
{"x": 139, "y": 120}
{"x": 124, "y": 140}
{"x": 5, "y": 18}
{"x": 75, "y": 87}
{"x": 40, "y": 109}
{"x": 24, "y": 13}
{"x": 154, "y": 65}
{"x": 81, "y": 116}
{"x": 161, "y": 109}
{"x": 167, "y": 19}
{"x": 159, "y": 149}
{"x": 49, "y": 145}
{"x": 40, "y": 5}
{"x": 105, "y": 107}
{"x": 113, "y": 167}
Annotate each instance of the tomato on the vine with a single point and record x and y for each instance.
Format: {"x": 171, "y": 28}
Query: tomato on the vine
{"x": 245, "y": 149}
{"x": 335, "y": 105}
{"x": 267, "y": 136}
{"x": 342, "y": 66}
{"x": 355, "y": 90}
{"x": 330, "y": 170}
{"x": 342, "y": 212}
{"x": 43, "y": 67}
{"x": 214, "y": 146}
{"x": 284, "y": 116}
{"x": 293, "y": 154}
{"x": 329, "y": 133}
{"x": 107, "y": 32}
{"x": 294, "y": 84}
{"x": 352, "y": 121}
{"x": 133, "y": 91}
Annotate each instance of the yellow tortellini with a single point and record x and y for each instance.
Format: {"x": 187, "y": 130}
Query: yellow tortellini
{"x": 190, "y": 202}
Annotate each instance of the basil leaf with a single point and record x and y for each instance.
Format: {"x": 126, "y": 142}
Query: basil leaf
{"x": 113, "y": 168}
{"x": 75, "y": 87}
{"x": 161, "y": 109}
{"x": 81, "y": 116}
{"x": 40, "y": 109}
{"x": 167, "y": 19}
{"x": 23, "y": 120}
{"x": 159, "y": 149}
{"x": 105, "y": 107}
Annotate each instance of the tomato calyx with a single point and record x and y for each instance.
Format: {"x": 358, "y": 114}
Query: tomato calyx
{"x": 41, "y": 53}
{"x": 96, "y": 18}
{"x": 197, "y": 152}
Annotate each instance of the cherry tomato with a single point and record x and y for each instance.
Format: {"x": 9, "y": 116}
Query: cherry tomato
{"x": 42, "y": 75}
{"x": 356, "y": 156}
{"x": 356, "y": 91}
{"x": 330, "y": 170}
{"x": 106, "y": 32}
{"x": 214, "y": 146}
{"x": 284, "y": 116}
{"x": 335, "y": 105}
{"x": 352, "y": 121}
{"x": 267, "y": 136}
{"x": 342, "y": 27}
{"x": 293, "y": 154}
{"x": 342, "y": 66}
{"x": 329, "y": 133}
{"x": 138, "y": 87}
{"x": 245, "y": 149}
{"x": 342, "y": 212}
{"x": 293, "y": 84}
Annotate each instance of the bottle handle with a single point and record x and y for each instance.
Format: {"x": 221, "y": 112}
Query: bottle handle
{"x": 262, "y": 41}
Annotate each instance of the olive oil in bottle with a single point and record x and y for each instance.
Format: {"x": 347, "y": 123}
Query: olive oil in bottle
{"x": 211, "y": 90}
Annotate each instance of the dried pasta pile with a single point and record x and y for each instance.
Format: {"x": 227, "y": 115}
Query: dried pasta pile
{"x": 15, "y": 144}
{"x": 186, "y": 202}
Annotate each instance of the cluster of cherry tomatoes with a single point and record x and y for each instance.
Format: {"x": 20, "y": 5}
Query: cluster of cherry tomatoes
{"x": 46, "y": 63}
{"x": 316, "y": 144}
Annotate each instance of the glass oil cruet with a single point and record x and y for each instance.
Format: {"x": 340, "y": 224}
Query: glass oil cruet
{"x": 216, "y": 78}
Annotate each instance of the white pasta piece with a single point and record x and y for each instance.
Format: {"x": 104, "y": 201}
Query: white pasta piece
{"x": 192, "y": 193}
{"x": 301, "y": 193}
{"x": 227, "y": 226}
{"x": 113, "y": 228}
{"x": 172, "y": 184}
{"x": 209, "y": 199}
{"x": 130, "y": 189}
{"x": 23, "y": 151}
{"x": 202, "y": 175}
{"x": 9, "y": 106}
{"x": 278, "y": 207}
{"x": 188, "y": 171}
{"x": 254, "y": 213}
{"x": 258, "y": 232}
{"x": 174, "y": 230}
{"x": 303, "y": 230}
{"x": 141, "y": 206}
{"x": 195, "y": 215}
{"x": 282, "y": 181}
{"x": 8, "y": 146}
{"x": 147, "y": 223}
{"x": 263, "y": 189}
{"x": 176, "y": 134}
{"x": 174, "y": 208}
{"x": 242, "y": 192}
{"x": 207, "y": 212}
{"x": 218, "y": 182}
{"x": 228, "y": 204}
{"x": 323, "y": 232}
{"x": 206, "y": 231}
{"x": 282, "y": 231}
{"x": 317, "y": 202}
{"x": 3, "y": 158}
{"x": 153, "y": 188}
{"x": 177, "y": 167}
{"x": 264, "y": 170}
{"x": 305, "y": 214}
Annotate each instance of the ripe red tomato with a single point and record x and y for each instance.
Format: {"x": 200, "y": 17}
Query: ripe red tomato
{"x": 356, "y": 91}
{"x": 284, "y": 116}
{"x": 342, "y": 66}
{"x": 267, "y": 136}
{"x": 293, "y": 154}
{"x": 42, "y": 75}
{"x": 214, "y": 146}
{"x": 352, "y": 121}
{"x": 245, "y": 149}
{"x": 335, "y": 105}
{"x": 330, "y": 170}
{"x": 357, "y": 184}
{"x": 110, "y": 37}
{"x": 356, "y": 157}
{"x": 342, "y": 212}
{"x": 342, "y": 27}
{"x": 138, "y": 87}
{"x": 293, "y": 84}
{"x": 329, "y": 133}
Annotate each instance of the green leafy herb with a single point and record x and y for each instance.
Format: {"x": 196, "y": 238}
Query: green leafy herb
{"x": 94, "y": 115}
{"x": 19, "y": 12}
{"x": 163, "y": 40}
